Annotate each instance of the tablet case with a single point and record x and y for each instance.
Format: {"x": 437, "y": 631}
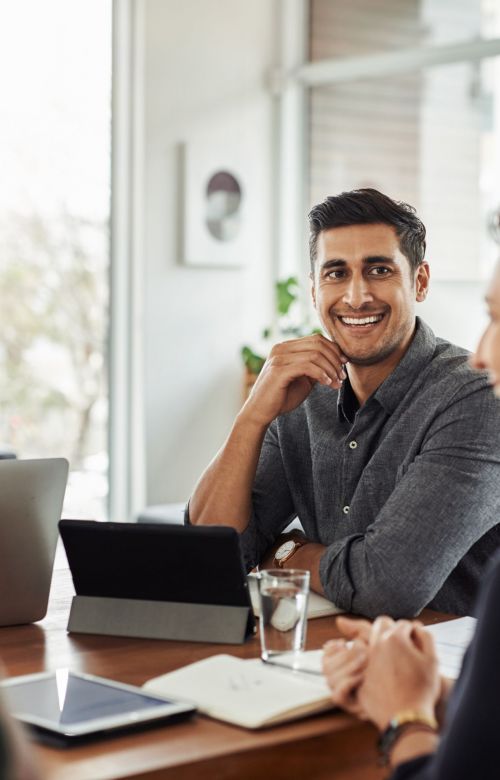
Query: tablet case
{"x": 157, "y": 581}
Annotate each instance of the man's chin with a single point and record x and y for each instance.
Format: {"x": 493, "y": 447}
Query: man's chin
{"x": 368, "y": 358}
{"x": 365, "y": 360}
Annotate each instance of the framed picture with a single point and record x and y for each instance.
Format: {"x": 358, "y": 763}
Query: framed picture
{"x": 216, "y": 191}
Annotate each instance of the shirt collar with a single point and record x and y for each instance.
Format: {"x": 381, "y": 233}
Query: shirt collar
{"x": 347, "y": 403}
{"x": 394, "y": 388}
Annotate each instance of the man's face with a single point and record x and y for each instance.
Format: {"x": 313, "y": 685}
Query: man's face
{"x": 365, "y": 292}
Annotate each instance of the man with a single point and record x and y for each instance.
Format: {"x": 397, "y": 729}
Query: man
{"x": 378, "y": 436}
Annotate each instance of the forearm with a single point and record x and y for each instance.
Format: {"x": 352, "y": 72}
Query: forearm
{"x": 223, "y": 493}
{"x": 379, "y": 571}
{"x": 306, "y": 557}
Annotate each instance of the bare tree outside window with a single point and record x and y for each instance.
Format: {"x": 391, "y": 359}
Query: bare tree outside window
{"x": 55, "y": 82}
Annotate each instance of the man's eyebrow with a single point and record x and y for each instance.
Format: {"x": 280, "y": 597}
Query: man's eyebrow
{"x": 338, "y": 262}
{"x": 379, "y": 259}
{"x": 333, "y": 263}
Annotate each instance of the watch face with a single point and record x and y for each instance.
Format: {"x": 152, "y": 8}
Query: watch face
{"x": 285, "y": 549}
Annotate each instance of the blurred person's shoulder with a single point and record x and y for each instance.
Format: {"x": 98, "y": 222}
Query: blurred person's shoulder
{"x": 450, "y": 366}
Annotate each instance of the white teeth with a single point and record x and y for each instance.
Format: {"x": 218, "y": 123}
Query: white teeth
{"x": 361, "y": 320}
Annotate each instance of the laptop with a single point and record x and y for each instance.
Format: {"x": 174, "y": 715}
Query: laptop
{"x": 31, "y": 499}
{"x": 157, "y": 581}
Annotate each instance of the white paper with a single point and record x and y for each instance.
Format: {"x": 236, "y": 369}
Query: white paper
{"x": 452, "y": 639}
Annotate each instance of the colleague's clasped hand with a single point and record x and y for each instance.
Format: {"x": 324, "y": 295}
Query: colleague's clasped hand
{"x": 383, "y": 668}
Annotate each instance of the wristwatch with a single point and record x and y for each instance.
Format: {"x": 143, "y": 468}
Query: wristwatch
{"x": 401, "y": 722}
{"x": 286, "y": 550}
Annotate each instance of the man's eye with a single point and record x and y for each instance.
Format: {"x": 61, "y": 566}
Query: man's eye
{"x": 379, "y": 270}
{"x": 335, "y": 274}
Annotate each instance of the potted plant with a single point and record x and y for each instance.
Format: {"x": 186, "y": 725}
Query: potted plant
{"x": 290, "y": 323}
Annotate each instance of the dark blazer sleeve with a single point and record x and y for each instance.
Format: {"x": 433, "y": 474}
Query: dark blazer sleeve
{"x": 469, "y": 745}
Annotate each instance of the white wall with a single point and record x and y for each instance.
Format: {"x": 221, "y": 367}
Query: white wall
{"x": 456, "y": 311}
{"x": 205, "y": 68}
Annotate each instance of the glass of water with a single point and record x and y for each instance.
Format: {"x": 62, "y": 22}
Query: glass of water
{"x": 283, "y": 595}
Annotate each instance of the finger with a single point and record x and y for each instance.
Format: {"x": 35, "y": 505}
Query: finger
{"x": 302, "y": 368}
{"x": 351, "y": 661}
{"x": 334, "y": 370}
{"x": 343, "y": 693}
{"x": 333, "y": 646}
{"x": 404, "y": 638}
{"x": 323, "y": 348}
{"x": 353, "y": 629}
{"x": 316, "y": 340}
{"x": 337, "y": 658}
{"x": 424, "y": 641}
{"x": 404, "y": 629}
{"x": 344, "y": 685}
{"x": 334, "y": 349}
{"x": 381, "y": 626}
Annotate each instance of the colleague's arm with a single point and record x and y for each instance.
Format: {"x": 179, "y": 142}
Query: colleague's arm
{"x": 468, "y": 747}
{"x": 469, "y": 741}
{"x": 401, "y": 679}
{"x": 223, "y": 495}
{"x": 447, "y": 500}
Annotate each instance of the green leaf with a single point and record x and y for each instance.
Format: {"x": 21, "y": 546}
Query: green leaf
{"x": 252, "y": 361}
{"x": 286, "y": 294}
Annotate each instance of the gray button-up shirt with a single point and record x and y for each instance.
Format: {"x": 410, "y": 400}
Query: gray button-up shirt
{"x": 404, "y": 491}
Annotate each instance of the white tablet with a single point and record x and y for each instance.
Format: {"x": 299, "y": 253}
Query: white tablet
{"x": 70, "y": 704}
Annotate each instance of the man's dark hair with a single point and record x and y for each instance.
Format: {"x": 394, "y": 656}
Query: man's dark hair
{"x": 367, "y": 207}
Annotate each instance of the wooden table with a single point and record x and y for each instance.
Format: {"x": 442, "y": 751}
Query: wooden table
{"x": 327, "y": 746}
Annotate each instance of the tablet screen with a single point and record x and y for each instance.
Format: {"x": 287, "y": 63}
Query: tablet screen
{"x": 70, "y": 703}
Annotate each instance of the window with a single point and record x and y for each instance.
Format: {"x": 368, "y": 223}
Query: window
{"x": 55, "y": 81}
{"x": 426, "y": 130}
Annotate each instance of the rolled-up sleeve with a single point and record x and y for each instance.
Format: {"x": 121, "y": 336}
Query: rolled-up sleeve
{"x": 446, "y": 500}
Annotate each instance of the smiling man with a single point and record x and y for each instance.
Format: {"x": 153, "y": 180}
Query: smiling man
{"x": 378, "y": 435}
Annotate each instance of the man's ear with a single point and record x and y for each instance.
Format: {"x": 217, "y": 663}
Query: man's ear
{"x": 422, "y": 278}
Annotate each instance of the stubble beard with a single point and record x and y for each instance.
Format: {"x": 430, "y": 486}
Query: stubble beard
{"x": 373, "y": 358}
{"x": 382, "y": 351}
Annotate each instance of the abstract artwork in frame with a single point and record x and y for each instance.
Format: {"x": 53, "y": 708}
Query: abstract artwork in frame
{"x": 215, "y": 190}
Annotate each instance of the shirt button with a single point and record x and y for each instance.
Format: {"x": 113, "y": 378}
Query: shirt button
{"x": 346, "y": 510}
{"x": 353, "y": 444}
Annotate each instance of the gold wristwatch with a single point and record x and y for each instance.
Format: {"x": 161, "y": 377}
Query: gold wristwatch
{"x": 399, "y": 723}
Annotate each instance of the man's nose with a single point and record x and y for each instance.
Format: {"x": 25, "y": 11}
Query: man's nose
{"x": 357, "y": 292}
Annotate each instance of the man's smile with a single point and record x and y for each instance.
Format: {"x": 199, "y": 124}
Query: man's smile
{"x": 360, "y": 322}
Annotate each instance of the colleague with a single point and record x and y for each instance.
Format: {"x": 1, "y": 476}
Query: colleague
{"x": 378, "y": 435}
{"x": 388, "y": 673}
